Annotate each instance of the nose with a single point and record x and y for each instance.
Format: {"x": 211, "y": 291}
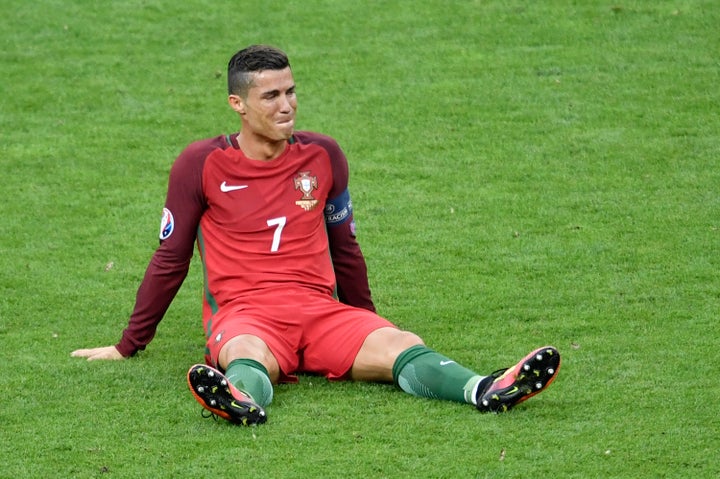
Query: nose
{"x": 288, "y": 104}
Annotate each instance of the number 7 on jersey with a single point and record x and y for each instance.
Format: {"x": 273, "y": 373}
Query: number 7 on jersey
{"x": 279, "y": 224}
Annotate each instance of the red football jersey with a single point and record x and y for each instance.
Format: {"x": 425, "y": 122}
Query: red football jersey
{"x": 264, "y": 226}
{"x": 258, "y": 226}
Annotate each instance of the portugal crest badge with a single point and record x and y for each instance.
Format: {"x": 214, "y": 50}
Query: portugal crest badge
{"x": 306, "y": 184}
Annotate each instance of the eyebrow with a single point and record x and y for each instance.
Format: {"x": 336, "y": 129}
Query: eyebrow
{"x": 275, "y": 92}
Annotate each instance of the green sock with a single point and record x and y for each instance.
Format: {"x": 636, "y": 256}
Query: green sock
{"x": 252, "y": 378}
{"x": 420, "y": 371}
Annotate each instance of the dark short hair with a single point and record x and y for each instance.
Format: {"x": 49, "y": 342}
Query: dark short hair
{"x": 252, "y": 59}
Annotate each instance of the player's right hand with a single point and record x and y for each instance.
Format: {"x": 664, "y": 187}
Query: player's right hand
{"x": 107, "y": 352}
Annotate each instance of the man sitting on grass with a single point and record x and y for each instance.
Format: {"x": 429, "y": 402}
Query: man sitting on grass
{"x": 271, "y": 214}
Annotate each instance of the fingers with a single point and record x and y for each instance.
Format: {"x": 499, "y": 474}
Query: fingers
{"x": 107, "y": 353}
{"x": 87, "y": 353}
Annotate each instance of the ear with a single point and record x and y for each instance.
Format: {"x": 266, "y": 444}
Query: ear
{"x": 237, "y": 103}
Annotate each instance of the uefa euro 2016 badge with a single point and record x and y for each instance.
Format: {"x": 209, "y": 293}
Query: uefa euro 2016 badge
{"x": 167, "y": 224}
{"x": 306, "y": 184}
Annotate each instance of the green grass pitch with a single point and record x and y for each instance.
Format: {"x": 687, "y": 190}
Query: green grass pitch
{"x": 523, "y": 173}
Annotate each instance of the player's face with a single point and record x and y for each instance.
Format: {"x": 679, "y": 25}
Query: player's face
{"x": 269, "y": 109}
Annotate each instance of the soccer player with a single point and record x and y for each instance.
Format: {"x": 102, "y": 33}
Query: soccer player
{"x": 286, "y": 288}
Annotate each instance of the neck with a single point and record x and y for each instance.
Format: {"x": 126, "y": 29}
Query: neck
{"x": 261, "y": 149}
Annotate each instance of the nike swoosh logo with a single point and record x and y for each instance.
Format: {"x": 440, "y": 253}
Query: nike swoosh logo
{"x": 445, "y": 363}
{"x": 224, "y": 187}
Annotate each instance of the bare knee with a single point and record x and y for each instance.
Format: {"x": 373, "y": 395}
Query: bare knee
{"x": 376, "y": 358}
{"x": 408, "y": 340}
{"x": 247, "y": 346}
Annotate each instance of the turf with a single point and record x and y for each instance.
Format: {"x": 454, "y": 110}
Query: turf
{"x": 523, "y": 173}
